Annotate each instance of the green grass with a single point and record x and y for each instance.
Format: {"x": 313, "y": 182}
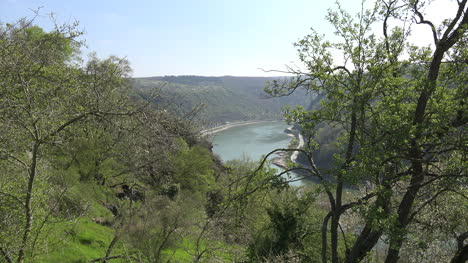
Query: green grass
{"x": 186, "y": 251}
{"x": 83, "y": 240}
{"x": 86, "y": 241}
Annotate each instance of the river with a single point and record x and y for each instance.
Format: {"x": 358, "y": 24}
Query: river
{"x": 251, "y": 141}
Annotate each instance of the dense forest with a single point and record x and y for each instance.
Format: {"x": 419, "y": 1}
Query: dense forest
{"x": 217, "y": 100}
{"x": 97, "y": 166}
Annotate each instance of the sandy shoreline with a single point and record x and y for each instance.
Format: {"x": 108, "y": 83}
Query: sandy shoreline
{"x": 281, "y": 157}
{"x": 230, "y": 125}
{"x": 299, "y": 136}
{"x": 281, "y": 160}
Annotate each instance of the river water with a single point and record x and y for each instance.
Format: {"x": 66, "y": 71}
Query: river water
{"x": 251, "y": 141}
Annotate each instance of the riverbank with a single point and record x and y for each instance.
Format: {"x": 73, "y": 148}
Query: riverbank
{"x": 300, "y": 145}
{"x": 252, "y": 142}
{"x": 230, "y": 125}
{"x": 282, "y": 157}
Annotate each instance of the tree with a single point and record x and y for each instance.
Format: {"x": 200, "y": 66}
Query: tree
{"x": 291, "y": 229}
{"x": 401, "y": 112}
{"x": 45, "y": 92}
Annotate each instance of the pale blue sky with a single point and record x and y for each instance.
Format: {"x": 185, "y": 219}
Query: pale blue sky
{"x": 188, "y": 37}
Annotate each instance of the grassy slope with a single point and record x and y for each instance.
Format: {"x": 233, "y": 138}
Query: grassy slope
{"x": 88, "y": 240}
{"x": 81, "y": 239}
{"x": 84, "y": 240}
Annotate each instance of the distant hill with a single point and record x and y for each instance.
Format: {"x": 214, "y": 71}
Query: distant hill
{"x": 223, "y": 99}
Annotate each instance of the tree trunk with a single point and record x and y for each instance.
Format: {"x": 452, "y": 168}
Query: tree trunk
{"x": 404, "y": 210}
{"x": 111, "y": 246}
{"x": 365, "y": 242}
{"x": 415, "y": 153}
{"x": 27, "y": 207}
{"x": 369, "y": 237}
{"x": 334, "y": 236}
{"x": 461, "y": 256}
{"x": 324, "y": 237}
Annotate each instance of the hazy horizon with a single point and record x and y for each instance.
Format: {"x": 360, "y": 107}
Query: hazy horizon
{"x": 202, "y": 38}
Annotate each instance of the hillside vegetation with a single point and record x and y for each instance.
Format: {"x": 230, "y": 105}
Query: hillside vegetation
{"x": 91, "y": 172}
{"x": 96, "y": 166}
{"x": 217, "y": 99}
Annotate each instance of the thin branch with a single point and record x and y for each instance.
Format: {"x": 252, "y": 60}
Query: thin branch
{"x": 344, "y": 69}
{"x": 461, "y": 7}
{"x": 358, "y": 202}
{"x": 415, "y": 213}
{"x": 5, "y": 255}
{"x": 423, "y": 21}
{"x": 344, "y": 237}
{"x": 14, "y": 197}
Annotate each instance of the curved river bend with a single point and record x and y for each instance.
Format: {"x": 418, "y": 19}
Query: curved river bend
{"x": 251, "y": 141}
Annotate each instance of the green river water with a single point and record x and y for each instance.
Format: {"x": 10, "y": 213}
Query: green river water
{"x": 251, "y": 141}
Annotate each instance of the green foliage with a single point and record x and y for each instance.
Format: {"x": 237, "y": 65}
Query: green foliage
{"x": 193, "y": 168}
{"x": 84, "y": 242}
{"x": 217, "y": 99}
{"x": 293, "y": 226}
{"x": 48, "y": 99}
{"x": 390, "y": 118}
{"x": 88, "y": 171}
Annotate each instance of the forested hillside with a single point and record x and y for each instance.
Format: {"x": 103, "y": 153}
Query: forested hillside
{"x": 98, "y": 166}
{"x": 217, "y": 99}
{"x": 92, "y": 172}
